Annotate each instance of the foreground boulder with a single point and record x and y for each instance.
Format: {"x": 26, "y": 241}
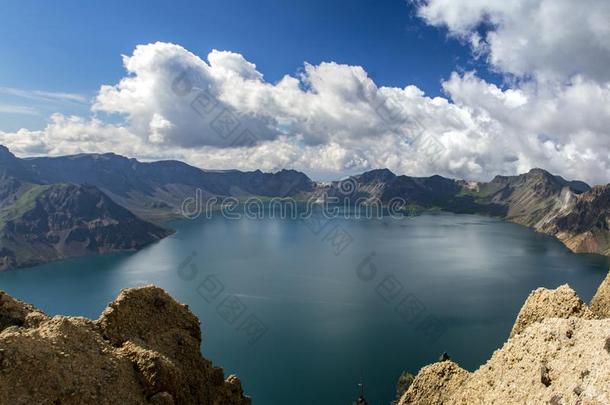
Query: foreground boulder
{"x": 556, "y": 361}
{"x": 558, "y": 353}
{"x": 144, "y": 349}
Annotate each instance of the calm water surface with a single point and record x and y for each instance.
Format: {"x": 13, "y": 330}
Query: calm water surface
{"x": 327, "y": 326}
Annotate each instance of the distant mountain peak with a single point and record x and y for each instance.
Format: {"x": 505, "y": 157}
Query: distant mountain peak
{"x": 6, "y": 155}
{"x": 537, "y": 170}
{"x": 383, "y": 171}
{"x": 377, "y": 174}
{"x": 12, "y": 166}
{"x": 4, "y": 150}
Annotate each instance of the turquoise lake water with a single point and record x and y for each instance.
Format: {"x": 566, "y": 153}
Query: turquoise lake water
{"x": 301, "y": 315}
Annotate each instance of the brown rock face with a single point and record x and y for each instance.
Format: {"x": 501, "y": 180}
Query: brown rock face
{"x": 557, "y": 354}
{"x": 560, "y": 361}
{"x": 585, "y": 226}
{"x": 543, "y": 304}
{"x": 435, "y": 384}
{"x": 600, "y": 304}
{"x": 144, "y": 349}
{"x": 16, "y": 313}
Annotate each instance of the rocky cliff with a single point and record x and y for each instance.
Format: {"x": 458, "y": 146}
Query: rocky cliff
{"x": 571, "y": 211}
{"x": 585, "y": 227}
{"x": 576, "y": 214}
{"x": 143, "y": 349}
{"x": 558, "y": 353}
{"x": 46, "y": 223}
{"x": 41, "y": 222}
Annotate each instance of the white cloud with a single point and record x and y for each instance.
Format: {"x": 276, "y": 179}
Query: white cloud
{"x": 561, "y": 128}
{"x": 550, "y": 39}
{"x": 557, "y": 113}
{"x": 327, "y": 120}
{"x": 70, "y": 135}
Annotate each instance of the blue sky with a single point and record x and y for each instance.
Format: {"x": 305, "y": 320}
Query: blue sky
{"x": 74, "y": 46}
{"x": 477, "y": 88}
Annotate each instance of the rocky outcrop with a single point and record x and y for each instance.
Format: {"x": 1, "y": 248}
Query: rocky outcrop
{"x": 558, "y": 353}
{"x": 542, "y": 303}
{"x": 585, "y": 226}
{"x": 144, "y": 349}
{"x": 435, "y": 384}
{"x": 557, "y": 361}
{"x": 16, "y": 313}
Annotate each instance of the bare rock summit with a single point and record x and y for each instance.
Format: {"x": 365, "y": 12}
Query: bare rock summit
{"x": 144, "y": 349}
{"x": 558, "y": 353}
{"x": 435, "y": 384}
{"x": 563, "y": 302}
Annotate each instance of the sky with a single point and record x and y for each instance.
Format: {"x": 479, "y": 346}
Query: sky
{"x": 462, "y": 88}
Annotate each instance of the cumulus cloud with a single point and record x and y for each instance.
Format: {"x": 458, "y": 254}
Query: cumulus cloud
{"x": 333, "y": 119}
{"x": 550, "y": 39}
{"x": 329, "y": 118}
{"x": 561, "y": 128}
{"x": 556, "y": 113}
{"x": 325, "y": 101}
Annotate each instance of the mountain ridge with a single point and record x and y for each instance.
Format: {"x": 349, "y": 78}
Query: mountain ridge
{"x": 42, "y": 222}
{"x": 153, "y": 192}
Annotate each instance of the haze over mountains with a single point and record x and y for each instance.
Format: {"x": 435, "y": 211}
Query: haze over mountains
{"x": 58, "y": 207}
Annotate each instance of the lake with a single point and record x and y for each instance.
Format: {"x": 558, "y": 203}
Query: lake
{"x": 303, "y": 311}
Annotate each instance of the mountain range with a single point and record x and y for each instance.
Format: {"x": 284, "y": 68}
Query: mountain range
{"x": 572, "y": 211}
{"x": 58, "y": 207}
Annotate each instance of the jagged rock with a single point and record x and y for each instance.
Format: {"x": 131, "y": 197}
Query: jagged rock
{"x": 149, "y": 317}
{"x": 17, "y": 313}
{"x": 144, "y": 349}
{"x": 584, "y": 226}
{"x": 558, "y": 353}
{"x": 435, "y": 384}
{"x": 600, "y": 304}
{"x": 64, "y": 360}
{"x": 542, "y": 365}
{"x": 542, "y": 303}
{"x": 159, "y": 374}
